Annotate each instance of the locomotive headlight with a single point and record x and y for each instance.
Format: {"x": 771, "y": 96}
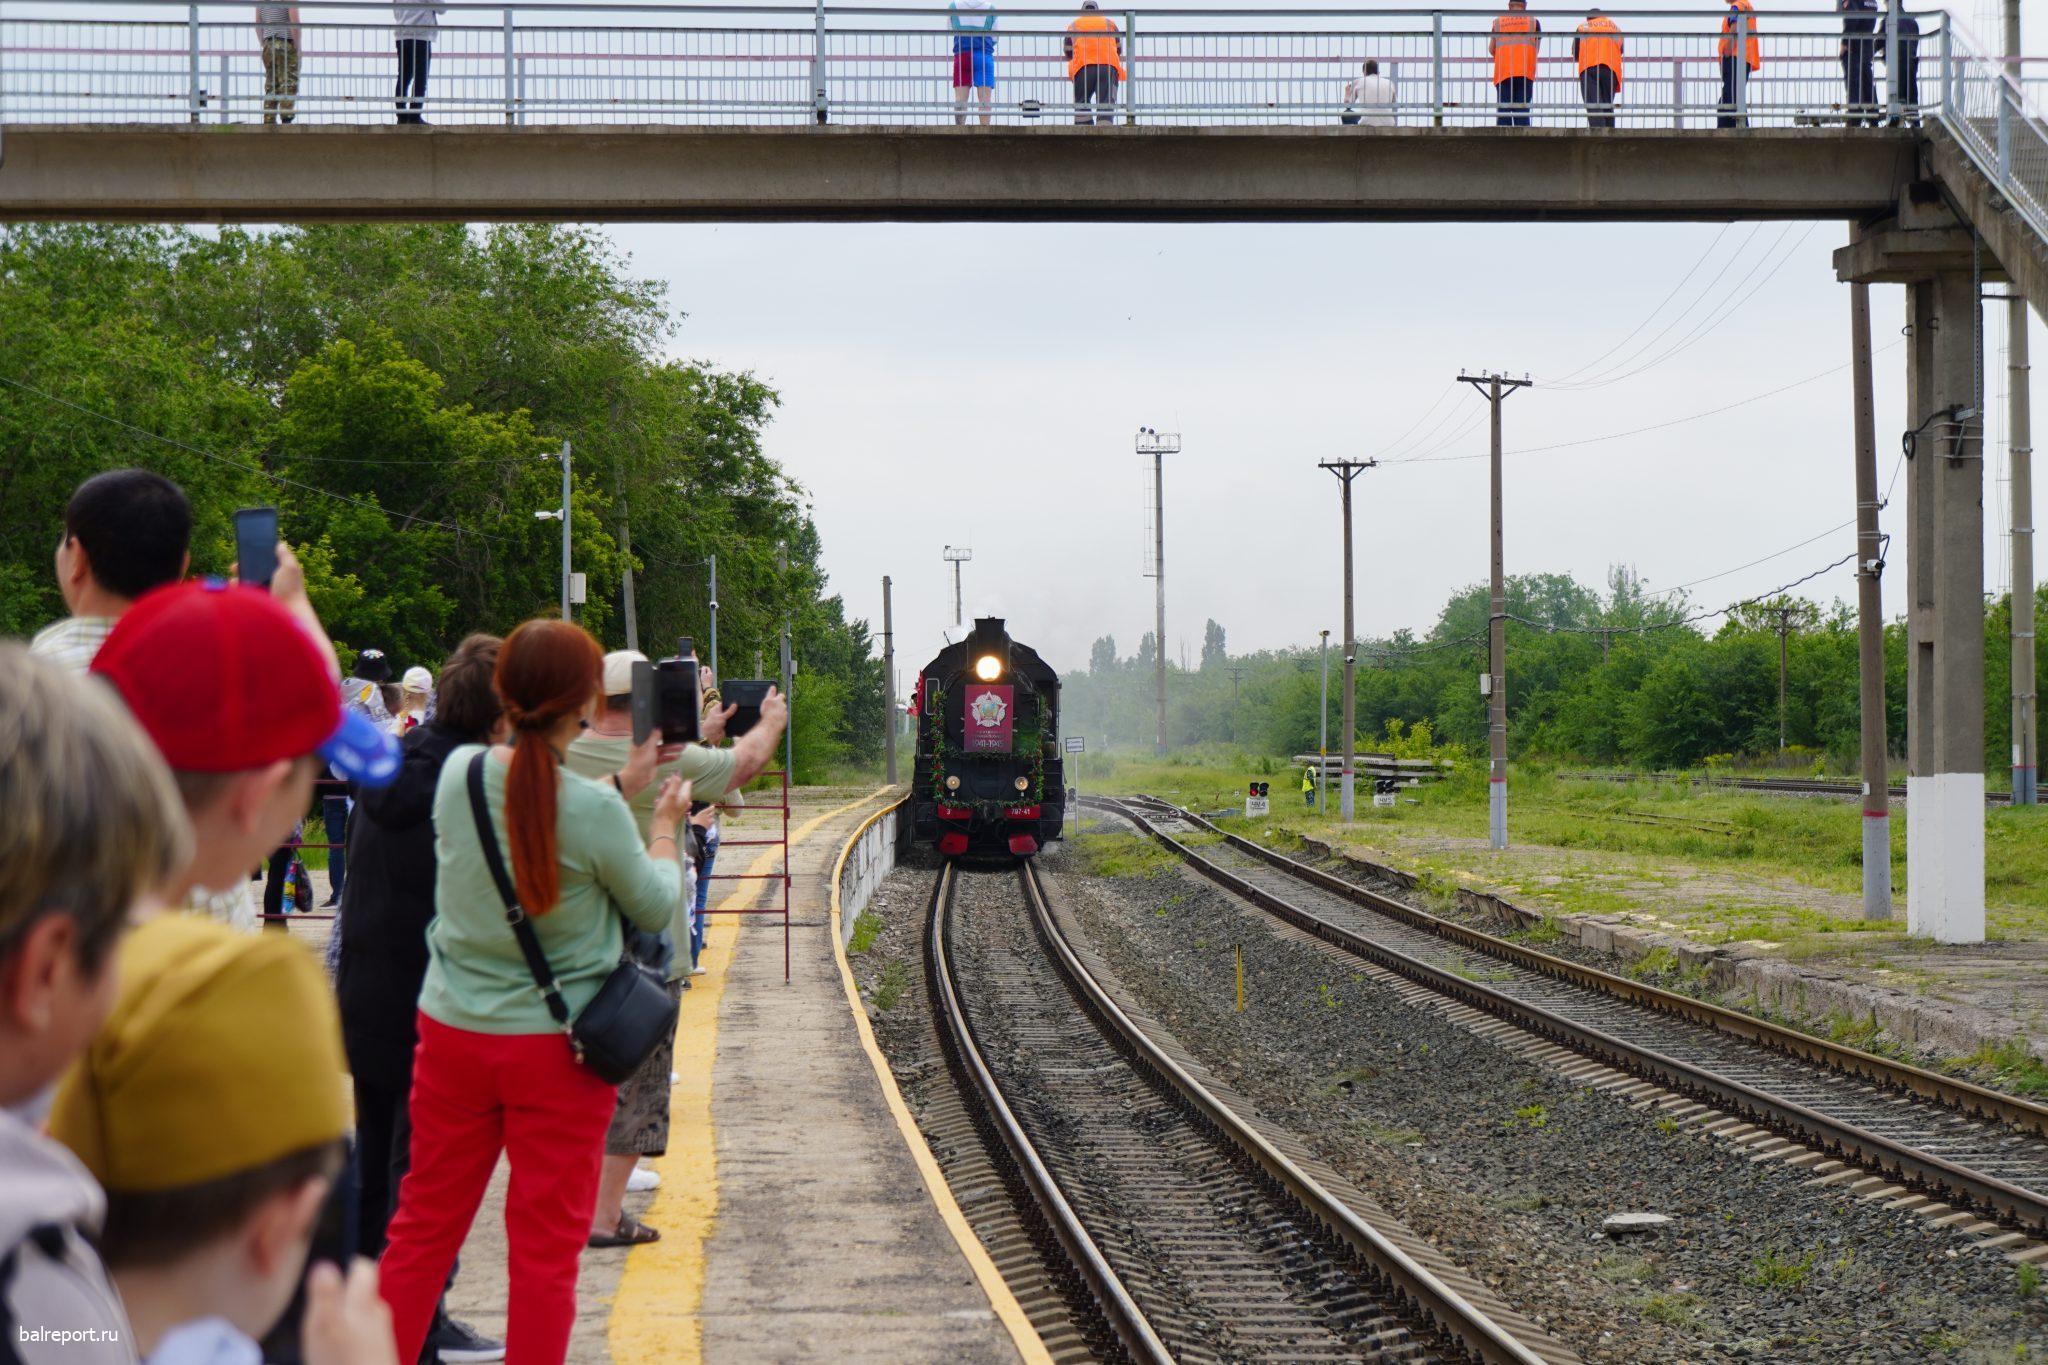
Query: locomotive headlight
{"x": 1023, "y": 784}
{"x": 953, "y": 784}
{"x": 988, "y": 668}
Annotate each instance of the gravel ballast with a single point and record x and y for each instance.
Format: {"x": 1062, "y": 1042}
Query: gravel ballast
{"x": 1512, "y": 1170}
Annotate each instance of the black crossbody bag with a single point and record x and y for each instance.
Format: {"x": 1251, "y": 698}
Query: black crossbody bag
{"x": 631, "y": 1012}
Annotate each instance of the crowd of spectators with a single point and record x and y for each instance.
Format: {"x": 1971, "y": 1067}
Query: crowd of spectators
{"x": 213, "y": 1150}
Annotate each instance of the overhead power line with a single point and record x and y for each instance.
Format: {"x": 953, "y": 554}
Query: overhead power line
{"x": 1654, "y": 426}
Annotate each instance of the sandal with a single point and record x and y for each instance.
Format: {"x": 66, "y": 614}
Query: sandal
{"x": 629, "y": 1233}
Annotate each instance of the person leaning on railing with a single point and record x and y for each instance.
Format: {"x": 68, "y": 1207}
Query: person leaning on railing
{"x": 277, "y": 26}
{"x": 494, "y": 1072}
{"x": 1858, "y": 51}
{"x": 1513, "y": 47}
{"x": 1736, "y": 71}
{"x": 415, "y": 29}
{"x": 1597, "y": 50}
{"x": 1095, "y": 63}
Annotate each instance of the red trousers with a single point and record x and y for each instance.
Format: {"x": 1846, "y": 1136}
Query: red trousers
{"x": 473, "y": 1096}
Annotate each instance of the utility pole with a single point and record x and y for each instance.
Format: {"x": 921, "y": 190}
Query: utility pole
{"x": 1236, "y": 670}
{"x": 889, "y": 676}
{"x": 714, "y": 617}
{"x": 1877, "y": 809}
{"x": 1346, "y": 471}
{"x": 1159, "y": 447}
{"x": 956, "y": 556}
{"x": 626, "y": 553}
{"x": 561, "y": 514}
{"x": 2026, "y": 768}
{"x": 1496, "y": 390}
{"x": 1323, "y": 740}
{"x": 1784, "y": 632}
{"x": 566, "y": 488}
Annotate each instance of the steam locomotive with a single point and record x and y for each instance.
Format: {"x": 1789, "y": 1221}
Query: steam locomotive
{"x": 989, "y": 777}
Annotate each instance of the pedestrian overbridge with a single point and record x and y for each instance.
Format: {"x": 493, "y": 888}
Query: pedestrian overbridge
{"x": 1900, "y": 123}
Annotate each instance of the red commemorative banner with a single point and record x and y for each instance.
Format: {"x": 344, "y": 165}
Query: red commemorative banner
{"x": 986, "y": 722}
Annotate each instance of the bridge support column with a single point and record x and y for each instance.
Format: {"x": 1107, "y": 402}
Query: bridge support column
{"x": 1945, "y": 613}
{"x": 1941, "y": 263}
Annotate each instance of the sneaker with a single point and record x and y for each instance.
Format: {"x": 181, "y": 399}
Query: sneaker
{"x": 673, "y": 1078}
{"x": 696, "y": 971}
{"x": 459, "y": 1342}
{"x": 642, "y": 1180}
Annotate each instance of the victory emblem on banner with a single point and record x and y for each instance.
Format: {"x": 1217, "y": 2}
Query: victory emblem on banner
{"x": 990, "y": 712}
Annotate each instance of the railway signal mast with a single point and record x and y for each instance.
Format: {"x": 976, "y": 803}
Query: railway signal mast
{"x": 956, "y": 556}
{"x": 1159, "y": 446}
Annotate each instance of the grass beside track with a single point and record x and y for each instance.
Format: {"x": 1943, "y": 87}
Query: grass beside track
{"x": 1715, "y": 865}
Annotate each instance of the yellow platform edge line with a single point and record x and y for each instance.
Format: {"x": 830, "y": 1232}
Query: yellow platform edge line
{"x": 657, "y": 1309}
{"x": 1008, "y": 1311}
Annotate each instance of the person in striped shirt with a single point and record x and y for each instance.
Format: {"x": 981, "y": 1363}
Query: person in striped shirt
{"x": 973, "y": 23}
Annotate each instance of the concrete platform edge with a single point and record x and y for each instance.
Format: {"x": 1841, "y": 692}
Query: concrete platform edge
{"x": 1000, "y": 1299}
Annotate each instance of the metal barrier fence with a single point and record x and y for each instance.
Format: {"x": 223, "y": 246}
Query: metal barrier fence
{"x": 1986, "y": 108}
{"x": 118, "y": 61}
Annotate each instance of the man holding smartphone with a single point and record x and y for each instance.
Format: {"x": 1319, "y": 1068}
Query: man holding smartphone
{"x": 641, "y": 1129}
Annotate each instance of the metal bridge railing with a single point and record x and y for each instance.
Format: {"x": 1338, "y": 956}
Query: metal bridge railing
{"x": 124, "y": 61}
{"x": 1986, "y": 109}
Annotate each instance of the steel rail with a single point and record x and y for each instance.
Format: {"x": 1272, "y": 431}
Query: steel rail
{"x": 1119, "y": 1309}
{"x": 1455, "y": 1316}
{"x": 2028, "y": 1208}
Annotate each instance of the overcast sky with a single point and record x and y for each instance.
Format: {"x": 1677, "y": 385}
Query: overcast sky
{"x": 981, "y": 385}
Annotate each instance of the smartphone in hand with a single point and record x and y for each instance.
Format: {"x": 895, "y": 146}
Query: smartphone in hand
{"x": 256, "y": 546}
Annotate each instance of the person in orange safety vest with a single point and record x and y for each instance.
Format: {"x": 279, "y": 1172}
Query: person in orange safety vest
{"x": 1516, "y": 35}
{"x": 1095, "y": 62}
{"x": 1735, "y": 71}
{"x": 1597, "y": 49}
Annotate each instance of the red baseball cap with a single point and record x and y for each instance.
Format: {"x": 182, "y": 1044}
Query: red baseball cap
{"x": 224, "y": 679}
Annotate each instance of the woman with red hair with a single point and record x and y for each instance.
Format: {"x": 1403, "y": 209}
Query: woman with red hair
{"x": 493, "y": 1072}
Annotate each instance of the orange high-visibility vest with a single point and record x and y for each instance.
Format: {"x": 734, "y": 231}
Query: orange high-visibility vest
{"x": 1514, "y": 47}
{"x": 1600, "y": 45}
{"x": 1755, "y": 53}
{"x": 1093, "y": 51}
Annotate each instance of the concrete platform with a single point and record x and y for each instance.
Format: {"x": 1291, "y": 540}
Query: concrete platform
{"x": 796, "y": 1223}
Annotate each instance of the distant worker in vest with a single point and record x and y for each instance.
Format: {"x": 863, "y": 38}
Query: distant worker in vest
{"x": 1905, "y": 75}
{"x": 1096, "y": 64}
{"x": 1736, "y": 71}
{"x": 1597, "y": 50}
{"x": 974, "y": 56}
{"x": 1370, "y": 98}
{"x": 1516, "y": 36}
{"x": 1858, "y": 51}
{"x": 1308, "y": 784}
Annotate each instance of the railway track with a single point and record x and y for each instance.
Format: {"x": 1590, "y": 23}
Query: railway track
{"x": 1198, "y": 1233}
{"x": 1973, "y": 1148}
{"x": 1789, "y": 786}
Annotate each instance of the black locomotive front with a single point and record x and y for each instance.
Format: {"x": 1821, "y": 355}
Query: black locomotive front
{"x": 989, "y": 776}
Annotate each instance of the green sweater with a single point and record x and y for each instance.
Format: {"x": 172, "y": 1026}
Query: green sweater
{"x": 476, "y": 978}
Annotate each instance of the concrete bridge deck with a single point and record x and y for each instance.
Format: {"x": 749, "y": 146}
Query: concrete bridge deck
{"x": 840, "y": 172}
